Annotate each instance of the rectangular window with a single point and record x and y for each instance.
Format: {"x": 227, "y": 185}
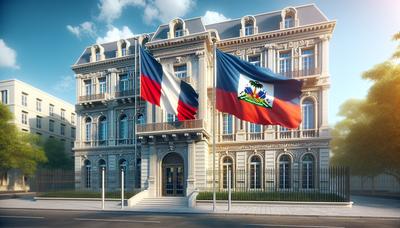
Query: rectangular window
{"x": 51, "y": 110}
{"x": 178, "y": 32}
{"x": 181, "y": 71}
{"x": 24, "y": 99}
{"x": 73, "y": 132}
{"x": 24, "y": 118}
{"x": 38, "y": 105}
{"x": 227, "y": 124}
{"x": 285, "y": 63}
{"x": 255, "y": 60}
{"x": 123, "y": 51}
{"x": 4, "y": 97}
{"x": 51, "y": 125}
{"x": 102, "y": 85}
{"x": 62, "y": 129}
{"x": 288, "y": 22}
{"x": 249, "y": 30}
{"x": 255, "y": 128}
{"x": 72, "y": 118}
{"x": 307, "y": 57}
{"x": 88, "y": 87}
{"x": 97, "y": 55}
{"x": 123, "y": 83}
{"x": 171, "y": 118}
{"x": 38, "y": 122}
{"x": 62, "y": 114}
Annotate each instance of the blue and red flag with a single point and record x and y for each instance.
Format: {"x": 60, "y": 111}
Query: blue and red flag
{"x": 160, "y": 86}
{"x": 256, "y": 94}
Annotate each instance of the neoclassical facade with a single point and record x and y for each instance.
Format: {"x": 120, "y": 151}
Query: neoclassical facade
{"x": 175, "y": 158}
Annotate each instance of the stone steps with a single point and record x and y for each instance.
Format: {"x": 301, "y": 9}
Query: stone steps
{"x": 162, "y": 202}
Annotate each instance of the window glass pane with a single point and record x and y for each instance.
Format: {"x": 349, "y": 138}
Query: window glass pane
{"x": 180, "y": 71}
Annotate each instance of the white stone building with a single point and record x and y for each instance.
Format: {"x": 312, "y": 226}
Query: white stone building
{"x": 175, "y": 158}
{"x": 39, "y": 113}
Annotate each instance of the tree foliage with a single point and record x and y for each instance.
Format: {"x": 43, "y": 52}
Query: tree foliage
{"x": 56, "y": 155}
{"x": 368, "y": 137}
{"x": 18, "y": 150}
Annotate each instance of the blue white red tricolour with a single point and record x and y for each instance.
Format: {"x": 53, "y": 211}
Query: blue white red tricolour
{"x": 256, "y": 94}
{"x": 159, "y": 86}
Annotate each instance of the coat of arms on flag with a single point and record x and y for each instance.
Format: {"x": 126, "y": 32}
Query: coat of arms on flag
{"x": 255, "y": 92}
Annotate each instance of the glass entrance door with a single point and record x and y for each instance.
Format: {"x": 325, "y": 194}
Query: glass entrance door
{"x": 173, "y": 180}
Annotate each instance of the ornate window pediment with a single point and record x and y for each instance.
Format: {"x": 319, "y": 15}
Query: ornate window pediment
{"x": 97, "y": 53}
{"x": 177, "y": 28}
{"x": 289, "y": 18}
{"x": 249, "y": 26}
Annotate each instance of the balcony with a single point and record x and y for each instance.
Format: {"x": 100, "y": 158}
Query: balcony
{"x": 92, "y": 97}
{"x": 301, "y": 73}
{"x": 274, "y": 135}
{"x": 126, "y": 93}
{"x": 178, "y": 126}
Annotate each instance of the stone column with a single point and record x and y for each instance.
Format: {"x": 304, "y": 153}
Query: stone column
{"x": 190, "y": 181}
{"x": 271, "y": 170}
{"x": 152, "y": 170}
{"x": 325, "y": 55}
{"x": 202, "y": 85}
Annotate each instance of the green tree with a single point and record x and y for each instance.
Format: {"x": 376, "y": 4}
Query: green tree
{"x": 18, "y": 150}
{"x": 368, "y": 137}
{"x": 56, "y": 155}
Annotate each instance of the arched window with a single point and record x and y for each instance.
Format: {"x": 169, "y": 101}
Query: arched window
{"x": 307, "y": 171}
{"x": 122, "y": 166}
{"x": 289, "y": 22}
{"x": 249, "y": 27}
{"x": 123, "y": 129}
{"x": 102, "y": 129}
{"x": 308, "y": 122}
{"x": 102, "y": 165}
{"x": 97, "y": 52}
{"x": 123, "y": 49}
{"x": 284, "y": 172}
{"x": 255, "y": 172}
{"x": 227, "y": 164}
{"x": 88, "y": 129}
{"x": 88, "y": 174}
{"x": 178, "y": 29}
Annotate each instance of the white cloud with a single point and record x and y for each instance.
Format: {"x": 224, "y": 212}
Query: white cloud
{"x": 168, "y": 10}
{"x": 8, "y": 56}
{"x": 211, "y": 17}
{"x": 112, "y": 9}
{"x": 66, "y": 83}
{"x": 114, "y": 34}
{"x": 86, "y": 28}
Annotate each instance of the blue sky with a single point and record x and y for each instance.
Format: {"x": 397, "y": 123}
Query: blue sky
{"x": 41, "y": 39}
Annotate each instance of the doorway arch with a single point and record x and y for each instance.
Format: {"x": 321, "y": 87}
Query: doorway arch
{"x": 173, "y": 175}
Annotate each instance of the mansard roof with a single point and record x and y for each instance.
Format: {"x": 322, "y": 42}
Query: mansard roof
{"x": 270, "y": 21}
{"x": 307, "y": 14}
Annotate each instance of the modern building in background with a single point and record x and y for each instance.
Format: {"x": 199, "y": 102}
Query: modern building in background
{"x": 175, "y": 158}
{"x": 39, "y": 113}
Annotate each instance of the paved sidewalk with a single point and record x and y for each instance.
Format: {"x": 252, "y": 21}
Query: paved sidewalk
{"x": 363, "y": 207}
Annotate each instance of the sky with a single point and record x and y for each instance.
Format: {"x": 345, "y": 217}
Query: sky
{"x": 41, "y": 39}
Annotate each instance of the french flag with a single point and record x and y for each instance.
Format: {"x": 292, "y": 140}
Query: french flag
{"x": 256, "y": 94}
{"x": 160, "y": 86}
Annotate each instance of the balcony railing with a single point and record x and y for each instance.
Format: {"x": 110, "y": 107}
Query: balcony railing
{"x": 92, "y": 97}
{"x": 289, "y": 134}
{"x": 104, "y": 143}
{"x": 301, "y": 73}
{"x": 172, "y": 126}
{"x": 126, "y": 93}
{"x": 276, "y": 135}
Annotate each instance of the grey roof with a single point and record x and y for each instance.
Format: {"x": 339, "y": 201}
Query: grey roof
{"x": 194, "y": 25}
{"x": 308, "y": 14}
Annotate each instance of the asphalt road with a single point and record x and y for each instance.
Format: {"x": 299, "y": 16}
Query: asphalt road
{"x": 64, "y": 218}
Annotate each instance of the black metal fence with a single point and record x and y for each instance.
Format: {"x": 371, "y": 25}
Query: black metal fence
{"x": 284, "y": 184}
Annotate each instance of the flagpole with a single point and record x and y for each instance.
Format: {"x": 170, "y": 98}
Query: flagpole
{"x": 213, "y": 120}
{"x": 135, "y": 111}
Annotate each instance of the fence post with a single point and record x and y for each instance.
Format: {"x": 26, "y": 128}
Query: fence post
{"x": 229, "y": 189}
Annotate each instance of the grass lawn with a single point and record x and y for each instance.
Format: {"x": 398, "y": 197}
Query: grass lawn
{"x": 85, "y": 194}
{"x": 274, "y": 196}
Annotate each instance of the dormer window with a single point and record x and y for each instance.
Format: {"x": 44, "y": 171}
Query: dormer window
{"x": 123, "y": 49}
{"x": 178, "y": 30}
{"x": 249, "y": 26}
{"x": 289, "y": 22}
{"x": 289, "y": 18}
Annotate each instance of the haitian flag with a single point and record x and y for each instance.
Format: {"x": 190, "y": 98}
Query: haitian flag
{"x": 160, "y": 86}
{"x": 256, "y": 94}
